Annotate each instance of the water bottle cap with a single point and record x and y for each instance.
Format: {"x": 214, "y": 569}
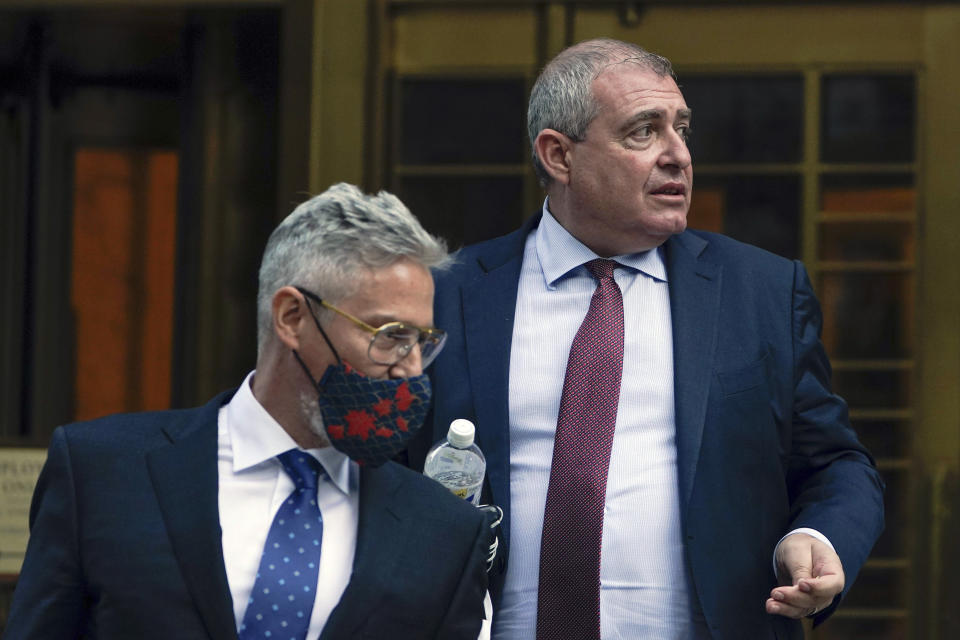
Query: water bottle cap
{"x": 461, "y": 433}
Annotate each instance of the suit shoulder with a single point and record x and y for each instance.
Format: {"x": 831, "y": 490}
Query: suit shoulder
{"x": 127, "y": 422}
{"x": 482, "y": 256}
{"x": 730, "y": 252}
{"x": 134, "y": 431}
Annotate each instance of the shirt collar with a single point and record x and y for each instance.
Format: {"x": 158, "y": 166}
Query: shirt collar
{"x": 257, "y": 438}
{"x": 560, "y": 253}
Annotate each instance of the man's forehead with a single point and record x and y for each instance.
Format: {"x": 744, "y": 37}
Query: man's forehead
{"x": 637, "y": 87}
{"x": 636, "y": 76}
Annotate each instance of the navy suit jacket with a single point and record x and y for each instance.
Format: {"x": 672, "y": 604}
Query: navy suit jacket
{"x": 763, "y": 445}
{"x": 126, "y": 543}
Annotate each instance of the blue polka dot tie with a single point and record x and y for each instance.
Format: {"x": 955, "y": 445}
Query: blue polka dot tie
{"x": 568, "y": 600}
{"x": 282, "y": 598}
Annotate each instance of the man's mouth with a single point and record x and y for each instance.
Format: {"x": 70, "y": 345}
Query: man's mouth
{"x": 670, "y": 189}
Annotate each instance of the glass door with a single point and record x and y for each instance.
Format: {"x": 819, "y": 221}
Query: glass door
{"x": 807, "y": 142}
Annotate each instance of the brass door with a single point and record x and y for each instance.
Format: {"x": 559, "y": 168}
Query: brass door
{"x": 823, "y": 133}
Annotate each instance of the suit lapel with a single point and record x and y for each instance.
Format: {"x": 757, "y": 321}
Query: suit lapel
{"x": 184, "y": 475}
{"x": 379, "y": 546}
{"x": 489, "y": 306}
{"x": 694, "y": 306}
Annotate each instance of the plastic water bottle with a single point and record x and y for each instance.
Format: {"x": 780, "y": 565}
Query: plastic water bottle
{"x": 457, "y": 463}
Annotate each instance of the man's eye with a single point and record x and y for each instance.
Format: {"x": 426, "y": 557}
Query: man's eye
{"x": 400, "y": 334}
{"x": 685, "y": 132}
{"x": 643, "y": 131}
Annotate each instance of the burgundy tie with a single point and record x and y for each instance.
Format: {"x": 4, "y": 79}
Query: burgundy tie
{"x": 568, "y": 603}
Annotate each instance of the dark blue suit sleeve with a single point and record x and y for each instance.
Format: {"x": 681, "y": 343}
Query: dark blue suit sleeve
{"x": 462, "y": 615}
{"x": 833, "y": 483}
{"x": 49, "y": 601}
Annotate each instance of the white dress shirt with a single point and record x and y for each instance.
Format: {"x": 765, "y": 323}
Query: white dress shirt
{"x": 252, "y": 486}
{"x": 643, "y": 580}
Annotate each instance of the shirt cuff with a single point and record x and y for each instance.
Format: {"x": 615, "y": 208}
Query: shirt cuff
{"x": 810, "y": 532}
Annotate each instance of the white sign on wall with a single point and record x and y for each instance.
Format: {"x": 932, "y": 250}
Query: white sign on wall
{"x": 19, "y": 470}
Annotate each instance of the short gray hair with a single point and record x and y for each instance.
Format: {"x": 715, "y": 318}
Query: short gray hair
{"x": 328, "y": 240}
{"x": 562, "y": 97}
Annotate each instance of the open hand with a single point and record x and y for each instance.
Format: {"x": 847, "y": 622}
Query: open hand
{"x": 811, "y": 576}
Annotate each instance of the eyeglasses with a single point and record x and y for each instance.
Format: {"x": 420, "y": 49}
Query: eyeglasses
{"x": 392, "y": 342}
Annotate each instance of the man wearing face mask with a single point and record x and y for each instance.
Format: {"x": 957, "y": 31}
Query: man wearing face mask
{"x": 274, "y": 511}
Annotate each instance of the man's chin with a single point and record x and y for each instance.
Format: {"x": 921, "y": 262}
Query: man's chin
{"x": 668, "y": 225}
{"x": 322, "y": 440}
{"x": 317, "y": 429}
{"x": 310, "y": 409}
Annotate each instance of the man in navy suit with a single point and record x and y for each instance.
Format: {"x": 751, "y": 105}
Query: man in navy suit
{"x": 154, "y": 525}
{"x": 736, "y": 498}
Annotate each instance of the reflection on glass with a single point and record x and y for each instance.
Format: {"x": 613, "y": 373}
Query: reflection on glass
{"x": 760, "y": 210}
{"x": 867, "y": 194}
{"x": 884, "y": 438}
{"x": 122, "y": 278}
{"x": 876, "y": 584}
{"x": 866, "y": 315}
{"x": 840, "y": 628}
{"x": 896, "y": 502}
{"x": 707, "y": 206}
{"x": 889, "y": 389}
{"x": 474, "y": 121}
{"x": 868, "y": 118}
{"x": 465, "y": 209}
{"x": 852, "y": 241}
{"x": 753, "y": 118}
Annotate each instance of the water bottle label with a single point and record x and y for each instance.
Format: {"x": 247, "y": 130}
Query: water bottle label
{"x": 470, "y": 494}
{"x": 461, "y": 485}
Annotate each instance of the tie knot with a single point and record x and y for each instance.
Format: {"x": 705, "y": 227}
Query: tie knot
{"x": 602, "y": 268}
{"x": 302, "y": 468}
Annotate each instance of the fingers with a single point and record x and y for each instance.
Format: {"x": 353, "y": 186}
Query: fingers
{"x": 823, "y": 587}
{"x": 777, "y": 607}
{"x": 808, "y": 597}
{"x": 794, "y": 602}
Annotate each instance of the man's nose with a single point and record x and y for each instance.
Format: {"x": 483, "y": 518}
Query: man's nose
{"x": 676, "y": 153}
{"x": 408, "y": 366}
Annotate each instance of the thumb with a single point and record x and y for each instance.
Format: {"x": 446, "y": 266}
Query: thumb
{"x": 799, "y": 572}
{"x": 795, "y": 560}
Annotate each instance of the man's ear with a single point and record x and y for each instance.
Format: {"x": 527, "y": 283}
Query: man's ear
{"x": 290, "y": 315}
{"x": 553, "y": 150}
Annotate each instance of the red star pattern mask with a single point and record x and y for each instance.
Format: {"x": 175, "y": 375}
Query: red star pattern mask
{"x": 368, "y": 419}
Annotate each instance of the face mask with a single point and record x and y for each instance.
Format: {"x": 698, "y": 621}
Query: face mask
{"x": 371, "y": 420}
{"x": 368, "y": 419}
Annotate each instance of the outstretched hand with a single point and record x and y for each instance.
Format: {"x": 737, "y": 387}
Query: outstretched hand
{"x": 811, "y": 575}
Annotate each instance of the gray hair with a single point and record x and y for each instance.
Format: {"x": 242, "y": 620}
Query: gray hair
{"x": 562, "y": 97}
{"x": 328, "y": 240}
